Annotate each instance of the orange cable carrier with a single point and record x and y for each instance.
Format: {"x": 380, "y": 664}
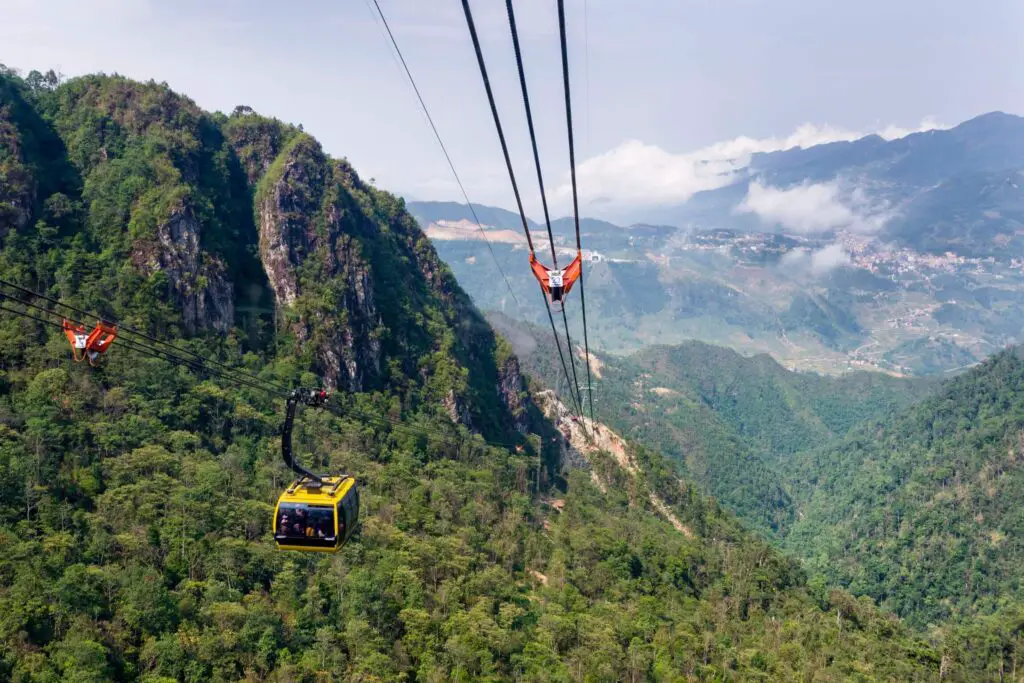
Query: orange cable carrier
{"x": 557, "y": 283}
{"x": 89, "y": 345}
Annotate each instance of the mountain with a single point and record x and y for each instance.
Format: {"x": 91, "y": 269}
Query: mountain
{"x": 913, "y": 504}
{"x": 810, "y": 304}
{"x": 432, "y": 212}
{"x": 901, "y": 256}
{"x": 906, "y": 491}
{"x": 916, "y": 506}
{"x": 958, "y": 189}
{"x": 725, "y": 419}
{"x": 135, "y": 497}
{"x": 941, "y": 190}
{"x": 428, "y": 213}
{"x": 989, "y": 142}
{"x": 922, "y": 510}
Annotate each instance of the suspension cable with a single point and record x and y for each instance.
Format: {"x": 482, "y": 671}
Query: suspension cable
{"x": 508, "y": 164}
{"x": 201, "y": 365}
{"x": 197, "y": 363}
{"x": 561, "y": 356}
{"x": 540, "y": 182}
{"x": 575, "y": 199}
{"x": 124, "y": 328}
{"x": 444, "y": 149}
{"x": 529, "y": 124}
{"x": 572, "y": 360}
{"x": 497, "y": 120}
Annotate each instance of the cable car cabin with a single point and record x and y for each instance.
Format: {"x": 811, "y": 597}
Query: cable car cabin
{"x": 317, "y": 516}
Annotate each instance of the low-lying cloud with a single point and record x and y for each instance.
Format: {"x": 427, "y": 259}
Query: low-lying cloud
{"x": 831, "y": 257}
{"x": 812, "y": 208}
{"x": 640, "y": 174}
{"x": 804, "y": 209}
{"x": 817, "y": 262}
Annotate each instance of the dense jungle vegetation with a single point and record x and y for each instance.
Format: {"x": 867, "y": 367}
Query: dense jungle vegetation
{"x": 136, "y": 496}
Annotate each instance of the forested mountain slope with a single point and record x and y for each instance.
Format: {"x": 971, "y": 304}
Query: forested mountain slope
{"x": 727, "y": 419}
{"x": 779, "y": 410}
{"x": 925, "y": 511}
{"x": 917, "y": 507}
{"x": 136, "y": 496}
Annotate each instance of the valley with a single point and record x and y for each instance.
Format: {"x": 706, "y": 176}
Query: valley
{"x": 265, "y": 419}
{"x": 883, "y": 308}
{"x": 885, "y": 284}
{"x": 137, "y": 491}
{"x": 906, "y": 491}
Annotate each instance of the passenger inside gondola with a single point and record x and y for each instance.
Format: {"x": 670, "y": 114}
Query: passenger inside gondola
{"x": 322, "y": 524}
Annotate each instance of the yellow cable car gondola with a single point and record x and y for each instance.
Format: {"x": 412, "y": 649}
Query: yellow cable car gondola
{"x": 316, "y": 513}
{"x": 317, "y": 516}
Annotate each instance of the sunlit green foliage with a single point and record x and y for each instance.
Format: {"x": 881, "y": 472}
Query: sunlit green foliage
{"x": 925, "y": 511}
{"x": 919, "y": 510}
{"x": 135, "y": 498}
{"x": 727, "y": 420}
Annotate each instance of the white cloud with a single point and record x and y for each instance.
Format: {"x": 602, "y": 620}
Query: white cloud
{"x": 813, "y": 208}
{"x": 892, "y": 132}
{"x": 796, "y": 260}
{"x": 804, "y": 209}
{"x": 642, "y": 174}
{"x": 818, "y": 263}
{"x": 635, "y": 172}
{"x": 832, "y": 256}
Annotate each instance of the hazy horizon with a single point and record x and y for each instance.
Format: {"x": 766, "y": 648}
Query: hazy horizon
{"x": 665, "y": 97}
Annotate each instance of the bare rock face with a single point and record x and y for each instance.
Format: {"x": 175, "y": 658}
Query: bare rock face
{"x": 197, "y": 282}
{"x": 351, "y": 355}
{"x": 314, "y": 265}
{"x": 457, "y": 409}
{"x": 287, "y": 211}
{"x": 513, "y": 394}
{"x": 571, "y": 457}
{"x": 17, "y": 184}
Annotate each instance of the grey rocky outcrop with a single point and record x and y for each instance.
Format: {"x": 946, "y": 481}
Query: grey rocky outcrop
{"x": 306, "y": 246}
{"x": 512, "y": 391}
{"x": 197, "y": 281}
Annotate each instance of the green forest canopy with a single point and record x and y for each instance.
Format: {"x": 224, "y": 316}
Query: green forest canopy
{"x": 136, "y": 496}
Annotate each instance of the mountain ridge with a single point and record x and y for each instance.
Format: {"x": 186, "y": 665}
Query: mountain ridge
{"x": 724, "y": 418}
{"x": 846, "y": 257}
{"x": 137, "y": 495}
{"x": 992, "y": 142}
{"x": 950, "y": 469}
{"x": 899, "y": 172}
{"x": 910, "y": 497}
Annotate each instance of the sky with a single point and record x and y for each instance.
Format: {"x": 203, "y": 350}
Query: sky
{"x": 666, "y": 93}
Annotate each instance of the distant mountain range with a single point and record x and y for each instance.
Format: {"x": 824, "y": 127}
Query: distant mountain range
{"x": 903, "y": 255}
{"x": 959, "y": 189}
{"x": 432, "y": 212}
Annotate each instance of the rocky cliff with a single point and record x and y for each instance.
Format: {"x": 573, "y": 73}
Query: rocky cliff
{"x": 191, "y": 218}
{"x": 347, "y": 263}
{"x": 197, "y": 282}
{"x": 512, "y": 390}
{"x": 17, "y": 184}
{"x": 157, "y": 187}
{"x": 311, "y": 253}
